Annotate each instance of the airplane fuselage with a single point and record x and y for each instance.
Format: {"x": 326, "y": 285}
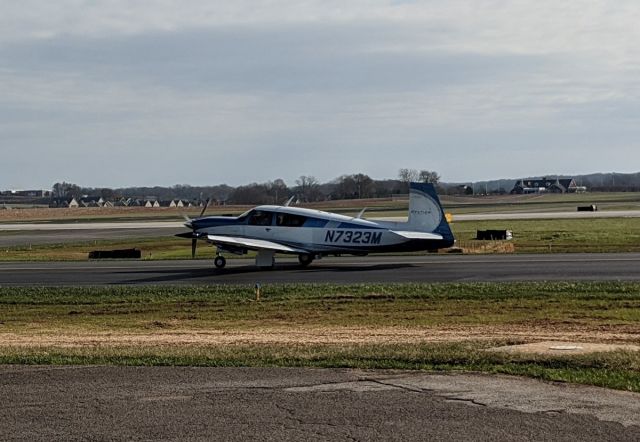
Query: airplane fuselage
{"x": 312, "y": 233}
{"x": 316, "y": 231}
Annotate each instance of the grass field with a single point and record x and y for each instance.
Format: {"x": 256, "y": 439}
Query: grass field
{"x": 152, "y": 248}
{"x": 536, "y": 236}
{"x": 408, "y": 326}
{"x": 558, "y": 235}
{"x": 376, "y": 207}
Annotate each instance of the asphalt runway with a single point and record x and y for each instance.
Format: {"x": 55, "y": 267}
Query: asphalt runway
{"x": 344, "y": 270}
{"x": 196, "y": 404}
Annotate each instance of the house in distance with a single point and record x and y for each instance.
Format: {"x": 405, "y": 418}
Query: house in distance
{"x": 547, "y": 185}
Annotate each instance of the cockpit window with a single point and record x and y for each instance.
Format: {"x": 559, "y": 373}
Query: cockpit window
{"x": 260, "y": 218}
{"x": 244, "y": 216}
{"x": 290, "y": 220}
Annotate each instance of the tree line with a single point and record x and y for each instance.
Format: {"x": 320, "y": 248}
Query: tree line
{"x": 306, "y": 189}
{"x": 353, "y": 186}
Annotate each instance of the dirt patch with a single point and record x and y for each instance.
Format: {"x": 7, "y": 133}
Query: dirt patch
{"x": 316, "y": 335}
{"x": 479, "y": 247}
{"x": 557, "y": 348}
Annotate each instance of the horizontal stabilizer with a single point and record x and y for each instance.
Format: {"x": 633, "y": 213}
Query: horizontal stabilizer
{"x": 418, "y": 235}
{"x": 252, "y": 244}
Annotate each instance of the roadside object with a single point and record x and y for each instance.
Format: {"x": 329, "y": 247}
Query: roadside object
{"x": 492, "y": 235}
{"x": 116, "y": 254}
{"x": 591, "y": 208}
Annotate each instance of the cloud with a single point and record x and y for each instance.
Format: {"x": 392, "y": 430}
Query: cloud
{"x": 316, "y": 87}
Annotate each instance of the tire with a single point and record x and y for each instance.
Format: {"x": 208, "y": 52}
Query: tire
{"x": 305, "y": 259}
{"x": 220, "y": 262}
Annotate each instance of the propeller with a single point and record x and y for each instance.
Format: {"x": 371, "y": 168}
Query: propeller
{"x": 204, "y": 209}
{"x": 194, "y": 238}
{"x": 193, "y": 235}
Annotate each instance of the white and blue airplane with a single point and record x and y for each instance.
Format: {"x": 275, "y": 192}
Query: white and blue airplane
{"x": 311, "y": 234}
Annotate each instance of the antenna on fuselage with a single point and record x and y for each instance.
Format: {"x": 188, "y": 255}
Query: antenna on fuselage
{"x": 359, "y": 215}
{"x": 289, "y": 201}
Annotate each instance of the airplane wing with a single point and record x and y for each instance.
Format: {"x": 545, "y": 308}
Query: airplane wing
{"x": 253, "y": 244}
{"x": 417, "y": 235}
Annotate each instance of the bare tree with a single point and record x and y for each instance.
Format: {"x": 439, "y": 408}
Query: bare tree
{"x": 407, "y": 176}
{"x": 364, "y": 185}
{"x": 66, "y": 190}
{"x": 250, "y": 194}
{"x": 308, "y": 187}
{"x": 429, "y": 176}
{"x": 278, "y": 190}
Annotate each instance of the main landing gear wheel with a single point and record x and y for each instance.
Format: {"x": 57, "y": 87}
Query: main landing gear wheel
{"x": 220, "y": 262}
{"x": 305, "y": 260}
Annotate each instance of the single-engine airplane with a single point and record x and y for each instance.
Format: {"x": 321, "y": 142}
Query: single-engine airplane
{"x": 311, "y": 234}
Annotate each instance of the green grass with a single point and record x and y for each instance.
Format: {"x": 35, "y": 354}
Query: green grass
{"x": 414, "y": 305}
{"x": 619, "y": 370}
{"x": 165, "y": 247}
{"x": 560, "y": 235}
{"x": 530, "y": 236}
{"x": 74, "y": 311}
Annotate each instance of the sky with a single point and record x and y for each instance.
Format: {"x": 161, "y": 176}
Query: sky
{"x": 135, "y": 92}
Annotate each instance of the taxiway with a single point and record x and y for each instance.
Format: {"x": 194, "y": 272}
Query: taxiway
{"x": 343, "y": 270}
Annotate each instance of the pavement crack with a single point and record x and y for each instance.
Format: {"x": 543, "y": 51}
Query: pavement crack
{"x": 391, "y": 384}
{"x": 470, "y": 401}
{"x": 553, "y": 411}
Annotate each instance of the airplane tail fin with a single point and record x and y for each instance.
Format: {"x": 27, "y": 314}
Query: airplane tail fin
{"x": 426, "y": 213}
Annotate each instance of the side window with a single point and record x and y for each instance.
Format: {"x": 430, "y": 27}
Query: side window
{"x": 290, "y": 220}
{"x": 260, "y": 218}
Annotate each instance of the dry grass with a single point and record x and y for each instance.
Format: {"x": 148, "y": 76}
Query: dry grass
{"x": 162, "y": 333}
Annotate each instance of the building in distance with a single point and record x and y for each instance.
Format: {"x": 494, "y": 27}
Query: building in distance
{"x": 547, "y": 185}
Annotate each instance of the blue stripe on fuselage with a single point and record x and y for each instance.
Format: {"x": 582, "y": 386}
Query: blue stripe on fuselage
{"x": 204, "y": 223}
{"x": 315, "y": 223}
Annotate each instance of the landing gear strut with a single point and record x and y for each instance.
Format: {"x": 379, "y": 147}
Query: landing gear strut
{"x": 305, "y": 259}
{"x": 220, "y": 262}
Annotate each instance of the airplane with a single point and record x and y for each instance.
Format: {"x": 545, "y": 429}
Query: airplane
{"x": 312, "y": 234}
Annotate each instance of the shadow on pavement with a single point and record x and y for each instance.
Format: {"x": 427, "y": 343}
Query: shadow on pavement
{"x": 281, "y": 273}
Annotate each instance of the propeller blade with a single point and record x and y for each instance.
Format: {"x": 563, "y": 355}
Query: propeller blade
{"x": 204, "y": 209}
{"x": 194, "y": 245}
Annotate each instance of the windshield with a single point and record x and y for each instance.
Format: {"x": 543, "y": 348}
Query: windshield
{"x": 245, "y": 215}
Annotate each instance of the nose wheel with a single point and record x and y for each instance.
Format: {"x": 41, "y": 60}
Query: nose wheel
{"x": 220, "y": 262}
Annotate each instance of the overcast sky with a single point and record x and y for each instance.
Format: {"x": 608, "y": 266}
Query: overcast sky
{"x": 123, "y": 92}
